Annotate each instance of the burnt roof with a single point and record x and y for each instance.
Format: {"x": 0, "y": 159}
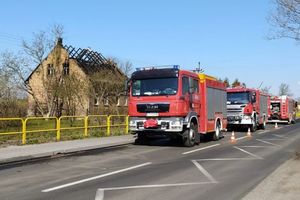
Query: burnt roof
{"x": 91, "y": 61}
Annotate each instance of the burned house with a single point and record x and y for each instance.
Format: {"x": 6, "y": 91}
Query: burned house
{"x": 72, "y": 81}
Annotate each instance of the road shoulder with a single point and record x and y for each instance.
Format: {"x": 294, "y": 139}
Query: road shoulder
{"x": 283, "y": 183}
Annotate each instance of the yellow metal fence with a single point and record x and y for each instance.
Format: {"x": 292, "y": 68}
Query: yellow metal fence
{"x": 57, "y": 125}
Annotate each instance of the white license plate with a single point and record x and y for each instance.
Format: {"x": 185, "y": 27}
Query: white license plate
{"x": 152, "y": 114}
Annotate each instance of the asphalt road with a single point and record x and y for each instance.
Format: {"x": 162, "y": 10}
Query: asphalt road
{"x": 162, "y": 170}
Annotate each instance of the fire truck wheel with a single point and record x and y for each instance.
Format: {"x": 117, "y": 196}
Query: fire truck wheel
{"x": 217, "y": 134}
{"x": 253, "y": 127}
{"x": 290, "y": 120}
{"x": 189, "y": 136}
{"x": 293, "y": 121}
{"x": 263, "y": 126}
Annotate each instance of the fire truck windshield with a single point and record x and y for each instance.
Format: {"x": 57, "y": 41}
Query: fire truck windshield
{"x": 155, "y": 87}
{"x": 238, "y": 97}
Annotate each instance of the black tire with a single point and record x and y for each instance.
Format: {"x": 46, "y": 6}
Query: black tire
{"x": 294, "y": 121}
{"x": 218, "y": 133}
{"x": 142, "y": 139}
{"x": 190, "y": 135}
{"x": 264, "y": 124}
{"x": 253, "y": 127}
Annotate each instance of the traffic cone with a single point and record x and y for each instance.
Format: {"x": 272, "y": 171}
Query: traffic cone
{"x": 276, "y": 125}
{"x": 232, "y": 138}
{"x": 249, "y": 133}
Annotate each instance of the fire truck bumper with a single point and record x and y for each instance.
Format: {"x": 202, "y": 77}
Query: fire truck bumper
{"x": 170, "y": 124}
{"x": 239, "y": 120}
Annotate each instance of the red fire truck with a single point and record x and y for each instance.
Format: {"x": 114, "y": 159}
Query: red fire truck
{"x": 283, "y": 109}
{"x": 247, "y": 108}
{"x": 176, "y": 103}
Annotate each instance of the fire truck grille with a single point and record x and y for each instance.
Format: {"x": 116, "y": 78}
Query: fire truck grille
{"x": 157, "y": 107}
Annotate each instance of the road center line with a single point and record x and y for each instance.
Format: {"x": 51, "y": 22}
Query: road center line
{"x": 203, "y": 171}
{"x": 247, "y": 152}
{"x": 195, "y": 150}
{"x": 255, "y": 146}
{"x": 240, "y": 138}
{"x": 263, "y": 132}
{"x": 224, "y": 159}
{"x": 95, "y": 177}
{"x": 275, "y": 139}
{"x": 280, "y": 136}
{"x": 268, "y": 142}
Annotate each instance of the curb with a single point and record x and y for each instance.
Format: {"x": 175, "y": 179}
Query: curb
{"x": 61, "y": 153}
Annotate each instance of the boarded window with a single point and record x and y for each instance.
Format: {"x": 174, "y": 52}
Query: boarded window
{"x": 66, "y": 68}
{"x": 50, "y": 70}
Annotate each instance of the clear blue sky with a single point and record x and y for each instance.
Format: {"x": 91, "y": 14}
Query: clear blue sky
{"x": 227, "y": 37}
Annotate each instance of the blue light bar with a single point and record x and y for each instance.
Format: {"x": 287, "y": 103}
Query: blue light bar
{"x": 158, "y": 67}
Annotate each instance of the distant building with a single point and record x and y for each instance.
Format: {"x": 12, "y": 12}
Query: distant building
{"x": 61, "y": 84}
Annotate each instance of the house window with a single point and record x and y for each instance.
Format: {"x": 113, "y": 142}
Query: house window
{"x": 50, "y": 70}
{"x": 96, "y": 101}
{"x": 66, "y": 69}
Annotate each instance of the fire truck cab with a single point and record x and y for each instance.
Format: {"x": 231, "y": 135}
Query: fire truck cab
{"x": 247, "y": 107}
{"x": 177, "y": 104}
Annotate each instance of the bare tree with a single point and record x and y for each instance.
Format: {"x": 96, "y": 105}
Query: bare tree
{"x": 125, "y": 66}
{"x": 105, "y": 89}
{"x": 284, "y": 89}
{"x": 285, "y": 19}
{"x": 12, "y": 102}
{"x": 266, "y": 89}
{"x": 42, "y": 42}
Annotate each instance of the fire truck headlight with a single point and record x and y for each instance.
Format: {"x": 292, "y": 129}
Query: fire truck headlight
{"x": 132, "y": 122}
{"x": 176, "y": 122}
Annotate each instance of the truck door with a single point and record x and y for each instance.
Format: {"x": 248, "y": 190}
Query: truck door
{"x": 196, "y": 95}
{"x": 190, "y": 91}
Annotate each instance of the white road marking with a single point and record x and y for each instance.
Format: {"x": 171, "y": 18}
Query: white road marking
{"x": 280, "y": 136}
{"x": 225, "y": 159}
{"x": 240, "y": 138}
{"x": 268, "y": 142}
{"x": 195, "y": 150}
{"x": 256, "y": 146}
{"x": 247, "y": 152}
{"x": 99, "y": 194}
{"x": 100, "y": 191}
{"x": 154, "y": 186}
{"x": 263, "y": 132}
{"x": 203, "y": 171}
{"x": 275, "y": 139}
{"x": 95, "y": 177}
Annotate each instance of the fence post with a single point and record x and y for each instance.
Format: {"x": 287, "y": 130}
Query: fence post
{"x": 108, "y": 125}
{"x": 127, "y": 124}
{"x": 58, "y": 129}
{"x": 85, "y": 126}
{"x": 24, "y": 131}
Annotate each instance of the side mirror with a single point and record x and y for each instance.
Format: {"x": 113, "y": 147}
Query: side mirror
{"x": 253, "y": 98}
{"x": 296, "y": 104}
{"x": 191, "y": 86}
